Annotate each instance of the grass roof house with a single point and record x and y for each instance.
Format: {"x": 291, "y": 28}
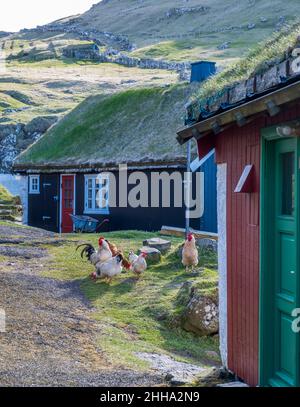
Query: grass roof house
{"x": 135, "y": 128}
{"x": 250, "y": 115}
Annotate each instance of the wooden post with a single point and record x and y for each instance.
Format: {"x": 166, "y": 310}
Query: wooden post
{"x": 188, "y": 189}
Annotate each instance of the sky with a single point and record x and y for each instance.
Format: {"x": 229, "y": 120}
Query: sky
{"x": 17, "y": 14}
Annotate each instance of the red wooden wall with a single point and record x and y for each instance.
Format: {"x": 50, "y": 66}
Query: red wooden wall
{"x": 238, "y": 147}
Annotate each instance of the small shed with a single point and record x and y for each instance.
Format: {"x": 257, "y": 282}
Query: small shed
{"x": 253, "y": 126}
{"x": 202, "y": 70}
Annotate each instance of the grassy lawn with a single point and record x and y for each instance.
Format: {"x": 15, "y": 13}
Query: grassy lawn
{"x": 138, "y": 315}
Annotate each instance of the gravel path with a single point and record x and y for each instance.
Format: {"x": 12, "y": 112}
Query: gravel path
{"x": 50, "y": 338}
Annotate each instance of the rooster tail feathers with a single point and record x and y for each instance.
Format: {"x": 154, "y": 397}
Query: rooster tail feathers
{"x": 88, "y": 250}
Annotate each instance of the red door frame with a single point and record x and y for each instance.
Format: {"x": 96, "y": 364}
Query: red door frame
{"x": 67, "y": 202}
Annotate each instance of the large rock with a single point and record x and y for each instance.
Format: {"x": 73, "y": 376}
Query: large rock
{"x": 207, "y": 244}
{"x": 160, "y": 244}
{"x": 200, "y": 314}
{"x": 153, "y": 255}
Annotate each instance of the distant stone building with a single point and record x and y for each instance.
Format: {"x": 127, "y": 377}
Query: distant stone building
{"x": 82, "y": 51}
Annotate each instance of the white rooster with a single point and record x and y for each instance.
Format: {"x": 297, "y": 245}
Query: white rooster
{"x": 95, "y": 256}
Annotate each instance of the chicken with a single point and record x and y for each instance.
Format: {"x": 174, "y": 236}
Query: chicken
{"x": 105, "y": 252}
{"x": 190, "y": 253}
{"x": 115, "y": 251}
{"x": 113, "y": 248}
{"x": 138, "y": 263}
{"x": 102, "y": 254}
{"x": 110, "y": 268}
{"x": 95, "y": 257}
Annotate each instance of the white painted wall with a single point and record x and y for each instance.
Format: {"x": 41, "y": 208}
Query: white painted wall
{"x": 17, "y": 185}
{"x": 222, "y": 259}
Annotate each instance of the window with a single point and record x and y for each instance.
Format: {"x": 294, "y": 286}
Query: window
{"x": 34, "y": 184}
{"x": 96, "y": 194}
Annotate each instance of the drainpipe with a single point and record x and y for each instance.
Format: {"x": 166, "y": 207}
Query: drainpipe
{"x": 188, "y": 183}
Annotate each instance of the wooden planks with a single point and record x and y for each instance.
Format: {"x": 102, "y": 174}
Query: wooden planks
{"x": 179, "y": 232}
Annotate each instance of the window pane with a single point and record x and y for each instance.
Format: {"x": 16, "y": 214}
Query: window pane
{"x": 288, "y": 184}
{"x": 97, "y": 192}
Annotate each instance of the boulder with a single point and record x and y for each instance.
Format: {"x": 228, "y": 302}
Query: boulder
{"x": 160, "y": 244}
{"x": 208, "y": 244}
{"x": 200, "y": 314}
{"x": 153, "y": 255}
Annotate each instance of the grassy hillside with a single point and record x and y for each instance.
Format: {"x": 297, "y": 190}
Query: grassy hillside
{"x": 31, "y": 89}
{"x": 221, "y": 30}
{"x": 92, "y": 133}
{"x": 38, "y": 81}
{"x": 160, "y": 29}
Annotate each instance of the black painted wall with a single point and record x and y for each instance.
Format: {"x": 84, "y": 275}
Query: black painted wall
{"x": 149, "y": 219}
{"x": 44, "y": 208}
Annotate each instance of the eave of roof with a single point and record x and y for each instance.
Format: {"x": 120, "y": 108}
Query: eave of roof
{"x": 97, "y": 167}
{"x": 279, "y": 95}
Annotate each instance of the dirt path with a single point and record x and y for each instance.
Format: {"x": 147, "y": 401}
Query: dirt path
{"x": 50, "y": 339}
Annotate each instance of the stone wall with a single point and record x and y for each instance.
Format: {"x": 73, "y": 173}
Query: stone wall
{"x": 99, "y": 37}
{"x": 81, "y": 53}
{"x": 180, "y": 11}
{"x": 143, "y": 63}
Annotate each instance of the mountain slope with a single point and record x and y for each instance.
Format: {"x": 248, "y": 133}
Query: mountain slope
{"x": 190, "y": 27}
{"x": 40, "y": 81}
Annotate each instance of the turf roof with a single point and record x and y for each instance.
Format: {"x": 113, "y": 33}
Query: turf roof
{"x": 135, "y": 126}
{"x": 259, "y": 59}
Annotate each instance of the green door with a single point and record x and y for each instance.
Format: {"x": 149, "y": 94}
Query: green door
{"x": 280, "y": 263}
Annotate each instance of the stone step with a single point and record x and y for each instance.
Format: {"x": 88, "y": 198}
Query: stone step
{"x": 7, "y": 206}
{"x": 157, "y": 243}
{"x": 153, "y": 255}
{"x": 233, "y": 384}
{"x": 8, "y": 218}
{"x": 5, "y": 212}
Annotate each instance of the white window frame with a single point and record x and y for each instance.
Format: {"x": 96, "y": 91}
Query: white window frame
{"x": 31, "y": 189}
{"x": 94, "y": 210}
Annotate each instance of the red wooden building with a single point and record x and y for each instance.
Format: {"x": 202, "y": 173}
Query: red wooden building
{"x": 254, "y": 126}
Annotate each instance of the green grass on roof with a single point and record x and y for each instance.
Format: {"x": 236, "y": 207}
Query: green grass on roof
{"x": 258, "y": 59}
{"x": 132, "y": 126}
